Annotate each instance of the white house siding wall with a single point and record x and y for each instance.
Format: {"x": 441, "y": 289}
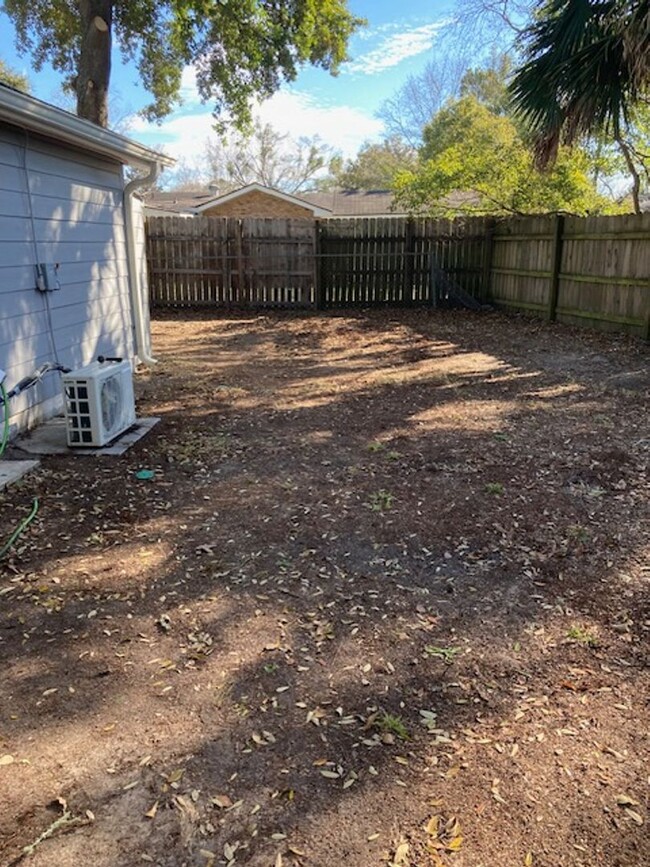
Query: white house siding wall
{"x": 76, "y": 203}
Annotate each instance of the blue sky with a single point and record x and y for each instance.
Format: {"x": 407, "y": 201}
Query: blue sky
{"x": 399, "y": 40}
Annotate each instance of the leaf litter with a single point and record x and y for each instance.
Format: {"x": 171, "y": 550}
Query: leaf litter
{"x": 331, "y": 590}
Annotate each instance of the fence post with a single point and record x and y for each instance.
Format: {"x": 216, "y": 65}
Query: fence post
{"x": 407, "y": 288}
{"x": 487, "y": 262}
{"x": 242, "y": 299}
{"x": 556, "y": 265}
{"x": 318, "y": 281}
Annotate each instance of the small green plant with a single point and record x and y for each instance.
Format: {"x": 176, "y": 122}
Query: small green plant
{"x": 446, "y": 653}
{"x": 376, "y": 447}
{"x": 381, "y": 501}
{"x": 198, "y": 447}
{"x": 393, "y": 456}
{"x": 577, "y": 532}
{"x": 388, "y": 722}
{"x": 270, "y": 668}
{"x": 582, "y": 636}
{"x": 494, "y": 488}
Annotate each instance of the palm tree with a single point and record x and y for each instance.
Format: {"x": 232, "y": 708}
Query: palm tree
{"x": 587, "y": 64}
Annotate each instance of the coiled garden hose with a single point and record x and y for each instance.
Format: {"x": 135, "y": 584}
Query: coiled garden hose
{"x": 19, "y": 529}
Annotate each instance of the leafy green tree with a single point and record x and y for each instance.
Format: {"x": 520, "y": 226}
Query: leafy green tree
{"x": 13, "y": 78}
{"x": 473, "y": 161}
{"x": 242, "y": 49}
{"x": 375, "y": 166}
{"x": 489, "y": 84}
{"x": 586, "y": 70}
{"x": 448, "y": 76}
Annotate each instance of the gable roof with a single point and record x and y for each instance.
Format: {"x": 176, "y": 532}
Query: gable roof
{"x": 35, "y": 116}
{"x": 267, "y": 191}
{"x": 336, "y": 203}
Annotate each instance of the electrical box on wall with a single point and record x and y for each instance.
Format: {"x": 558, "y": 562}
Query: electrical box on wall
{"x": 47, "y": 277}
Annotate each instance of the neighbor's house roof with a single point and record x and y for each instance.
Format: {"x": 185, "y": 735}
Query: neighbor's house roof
{"x": 338, "y": 203}
{"x": 268, "y": 191}
{"x": 40, "y": 118}
{"x": 355, "y": 203}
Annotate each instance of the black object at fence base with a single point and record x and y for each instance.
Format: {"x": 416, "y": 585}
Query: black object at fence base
{"x": 445, "y": 292}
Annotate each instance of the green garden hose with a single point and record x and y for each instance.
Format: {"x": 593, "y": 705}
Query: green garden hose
{"x": 19, "y": 529}
{"x": 3, "y": 445}
{"x": 5, "y": 425}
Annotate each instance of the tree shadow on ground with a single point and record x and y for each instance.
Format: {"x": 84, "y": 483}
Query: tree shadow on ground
{"x": 294, "y": 587}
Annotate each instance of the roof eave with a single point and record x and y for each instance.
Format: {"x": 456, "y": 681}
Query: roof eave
{"x": 38, "y": 117}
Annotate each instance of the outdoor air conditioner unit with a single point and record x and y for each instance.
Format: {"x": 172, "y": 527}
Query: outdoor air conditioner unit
{"x": 99, "y": 403}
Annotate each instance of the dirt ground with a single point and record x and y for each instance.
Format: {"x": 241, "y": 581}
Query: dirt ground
{"x": 384, "y": 602}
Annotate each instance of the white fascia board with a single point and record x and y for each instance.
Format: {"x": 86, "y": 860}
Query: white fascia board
{"x": 38, "y": 117}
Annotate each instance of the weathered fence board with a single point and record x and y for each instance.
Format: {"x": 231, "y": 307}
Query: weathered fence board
{"x": 586, "y": 271}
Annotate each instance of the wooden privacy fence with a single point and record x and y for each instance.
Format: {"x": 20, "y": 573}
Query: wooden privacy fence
{"x": 227, "y": 262}
{"x": 593, "y": 271}
{"x": 581, "y": 270}
{"x": 230, "y": 262}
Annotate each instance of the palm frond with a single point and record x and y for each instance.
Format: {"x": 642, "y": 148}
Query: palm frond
{"x": 586, "y": 64}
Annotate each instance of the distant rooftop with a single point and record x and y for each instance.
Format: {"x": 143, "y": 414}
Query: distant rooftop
{"x": 340, "y": 203}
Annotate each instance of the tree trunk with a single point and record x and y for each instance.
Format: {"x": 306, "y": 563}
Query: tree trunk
{"x": 94, "y": 70}
{"x": 636, "y": 179}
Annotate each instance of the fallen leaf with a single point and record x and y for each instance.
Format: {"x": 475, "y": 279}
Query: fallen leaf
{"x": 636, "y": 817}
{"x": 432, "y": 826}
{"x": 176, "y": 775}
{"x": 528, "y": 860}
{"x": 626, "y": 801}
{"x": 401, "y": 854}
{"x": 222, "y": 801}
{"x": 150, "y": 814}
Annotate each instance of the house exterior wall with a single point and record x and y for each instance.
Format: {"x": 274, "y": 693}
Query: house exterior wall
{"x": 59, "y": 206}
{"x": 256, "y": 204}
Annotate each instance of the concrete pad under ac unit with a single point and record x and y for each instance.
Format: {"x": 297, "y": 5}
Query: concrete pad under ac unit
{"x": 50, "y": 439}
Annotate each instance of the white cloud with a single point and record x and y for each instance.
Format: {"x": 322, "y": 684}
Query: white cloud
{"x": 343, "y": 127}
{"x": 395, "y": 48}
{"x": 189, "y": 92}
